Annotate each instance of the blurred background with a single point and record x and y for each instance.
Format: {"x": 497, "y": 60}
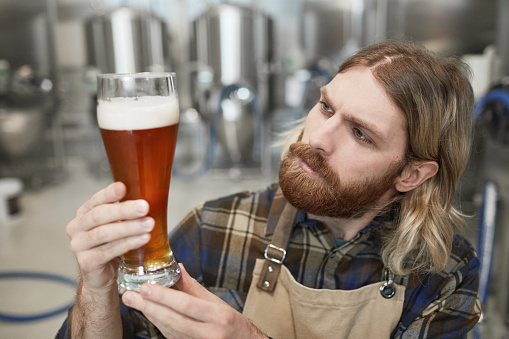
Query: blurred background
{"x": 246, "y": 71}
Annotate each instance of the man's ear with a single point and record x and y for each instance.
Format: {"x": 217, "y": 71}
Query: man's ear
{"x": 415, "y": 174}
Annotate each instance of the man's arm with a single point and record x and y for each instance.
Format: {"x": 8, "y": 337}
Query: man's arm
{"x": 101, "y": 232}
{"x": 96, "y": 315}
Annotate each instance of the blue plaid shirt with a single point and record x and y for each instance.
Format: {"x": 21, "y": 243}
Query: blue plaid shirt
{"x": 219, "y": 241}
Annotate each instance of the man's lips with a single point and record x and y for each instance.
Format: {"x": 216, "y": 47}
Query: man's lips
{"x": 307, "y": 168}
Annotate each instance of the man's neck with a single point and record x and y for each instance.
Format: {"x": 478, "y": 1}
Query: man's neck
{"x": 345, "y": 229}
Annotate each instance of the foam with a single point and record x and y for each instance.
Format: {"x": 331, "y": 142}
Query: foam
{"x": 138, "y": 113}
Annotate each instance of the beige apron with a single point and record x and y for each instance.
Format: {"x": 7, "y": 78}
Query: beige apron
{"x": 284, "y": 309}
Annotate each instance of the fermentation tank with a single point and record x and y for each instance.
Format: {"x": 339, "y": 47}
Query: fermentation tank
{"x": 230, "y": 54}
{"x": 126, "y": 40}
{"x": 28, "y": 97}
{"x": 457, "y": 27}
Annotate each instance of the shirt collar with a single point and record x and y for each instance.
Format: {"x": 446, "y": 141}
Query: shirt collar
{"x": 277, "y": 201}
{"x": 304, "y": 220}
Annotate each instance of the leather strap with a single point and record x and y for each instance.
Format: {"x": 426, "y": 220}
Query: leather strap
{"x": 275, "y": 252}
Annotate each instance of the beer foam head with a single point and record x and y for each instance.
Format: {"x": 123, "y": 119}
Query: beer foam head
{"x": 138, "y": 113}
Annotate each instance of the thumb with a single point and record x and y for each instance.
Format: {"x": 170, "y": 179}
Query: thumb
{"x": 190, "y": 286}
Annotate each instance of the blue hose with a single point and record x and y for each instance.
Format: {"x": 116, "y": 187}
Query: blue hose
{"x": 486, "y": 244}
{"x": 487, "y": 239}
{"x": 499, "y": 95}
{"x": 39, "y": 276}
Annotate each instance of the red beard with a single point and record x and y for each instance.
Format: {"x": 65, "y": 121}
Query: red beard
{"x": 326, "y": 195}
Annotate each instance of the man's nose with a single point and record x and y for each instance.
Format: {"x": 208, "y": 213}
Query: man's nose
{"x": 323, "y": 138}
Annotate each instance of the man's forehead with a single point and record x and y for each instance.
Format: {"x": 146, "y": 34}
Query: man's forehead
{"x": 360, "y": 98}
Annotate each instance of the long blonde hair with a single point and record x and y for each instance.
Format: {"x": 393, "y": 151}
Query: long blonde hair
{"x": 437, "y": 101}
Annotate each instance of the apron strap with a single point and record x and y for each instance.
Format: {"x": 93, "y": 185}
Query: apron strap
{"x": 275, "y": 252}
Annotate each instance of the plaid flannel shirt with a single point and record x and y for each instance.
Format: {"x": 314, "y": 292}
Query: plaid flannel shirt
{"x": 219, "y": 241}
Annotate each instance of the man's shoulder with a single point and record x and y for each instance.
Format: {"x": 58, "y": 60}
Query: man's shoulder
{"x": 463, "y": 262}
{"x": 252, "y": 201}
{"x": 249, "y": 195}
{"x": 462, "y": 253}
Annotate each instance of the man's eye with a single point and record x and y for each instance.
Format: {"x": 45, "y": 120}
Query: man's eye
{"x": 326, "y": 107}
{"x": 361, "y": 136}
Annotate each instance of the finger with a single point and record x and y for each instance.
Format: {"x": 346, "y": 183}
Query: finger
{"x": 189, "y": 285}
{"x": 180, "y": 312}
{"x": 184, "y": 303}
{"x": 112, "y": 193}
{"x": 107, "y": 214}
{"x": 99, "y": 256}
{"x": 170, "y": 321}
{"x": 108, "y": 233}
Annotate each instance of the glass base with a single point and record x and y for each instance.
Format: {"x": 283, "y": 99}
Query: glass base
{"x": 129, "y": 279}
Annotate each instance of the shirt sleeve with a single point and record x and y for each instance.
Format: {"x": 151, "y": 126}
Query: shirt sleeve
{"x": 455, "y": 310}
{"x": 64, "y": 331}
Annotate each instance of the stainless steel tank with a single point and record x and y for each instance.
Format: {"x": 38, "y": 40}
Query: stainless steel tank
{"x": 233, "y": 42}
{"x": 459, "y": 27}
{"x": 126, "y": 40}
{"x": 230, "y": 51}
{"x": 331, "y": 30}
{"x": 29, "y": 144}
{"x": 28, "y": 99}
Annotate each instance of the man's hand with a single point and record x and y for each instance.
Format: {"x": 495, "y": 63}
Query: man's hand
{"x": 190, "y": 312}
{"x": 102, "y": 231}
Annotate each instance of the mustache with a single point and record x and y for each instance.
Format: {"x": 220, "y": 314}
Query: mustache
{"x": 314, "y": 158}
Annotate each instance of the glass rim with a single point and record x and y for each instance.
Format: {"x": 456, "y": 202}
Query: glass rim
{"x": 137, "y": 75}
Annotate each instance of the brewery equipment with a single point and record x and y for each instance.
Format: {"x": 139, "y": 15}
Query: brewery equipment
{"x": 29, "y": 144}
{"x": 486, "y": 175}
{"x": 230, "y": 54}
{"x": 127, "y": 40}
{"x": 343, "y": 18}
{"x": 457, "y": 27}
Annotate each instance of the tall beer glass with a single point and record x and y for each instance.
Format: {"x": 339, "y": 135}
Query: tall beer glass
{"x": 138, "y": 115}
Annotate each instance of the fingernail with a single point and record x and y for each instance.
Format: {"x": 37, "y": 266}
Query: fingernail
{"x": 147, "y": 223}
{"x": 144, "y": 237}
{"x": 127, "y": 298}
{"x": 116, "y": 189}
{"x": 141, "y": 206}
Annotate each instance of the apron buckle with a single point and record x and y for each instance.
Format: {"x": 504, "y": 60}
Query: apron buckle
{"x": 272, "y": 258}
{"x": 388, "y": 289}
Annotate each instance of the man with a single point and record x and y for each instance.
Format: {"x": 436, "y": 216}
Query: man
{"x": 359, "y": 238}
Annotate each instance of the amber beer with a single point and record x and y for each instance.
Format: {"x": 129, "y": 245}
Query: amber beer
{"x": 140, "y": 136}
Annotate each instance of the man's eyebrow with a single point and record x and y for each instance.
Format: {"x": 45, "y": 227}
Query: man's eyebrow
{"x": 323, "y": 92}
{"x": 372, "y": 129}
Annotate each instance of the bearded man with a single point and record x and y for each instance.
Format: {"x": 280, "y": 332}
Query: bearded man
{"x": 359, "y": 239}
